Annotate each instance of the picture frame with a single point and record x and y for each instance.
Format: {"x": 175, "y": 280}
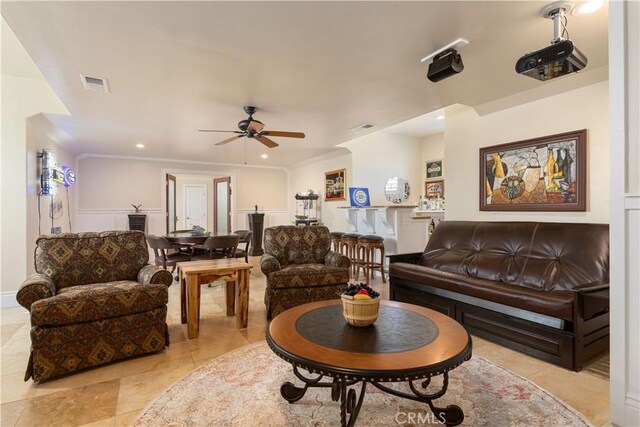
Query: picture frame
{"x": 434, "y": 189}
{"x": 434, "y": 169}
{"x": 538, "y": 174}
{"x": 335, "y": 185}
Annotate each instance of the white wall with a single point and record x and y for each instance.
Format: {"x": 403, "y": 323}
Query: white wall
{"x": 20, "y": 98}
{"x": 108, "y": 186}
{"x": 311, "y": 177}
{"x": 38, "y": 130}
{"x": 466, "y": 132}
{"x": 624, "y": 72}
{"x": 432, "y": 149}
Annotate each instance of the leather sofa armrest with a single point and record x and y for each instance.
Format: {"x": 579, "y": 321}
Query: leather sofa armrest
{"x": 335, "y": 259}
{"x": 36, "y": 287}
{"x": 410, "y": 258}
{"x": 269, "y": 264}
{"x": 591, "y": 287}
{"x": 153, "y": 275}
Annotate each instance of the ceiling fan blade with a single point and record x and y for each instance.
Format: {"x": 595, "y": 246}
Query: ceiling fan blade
{"x": 255, "y": 126}
{"x": 285, "y": 134}
{"x": 233, "y": 138}
{"x": 266, "y": 141}
{"x": 211, "y": 130}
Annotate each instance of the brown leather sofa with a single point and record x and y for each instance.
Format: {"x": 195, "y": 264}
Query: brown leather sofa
{"x": 540, "y": 288}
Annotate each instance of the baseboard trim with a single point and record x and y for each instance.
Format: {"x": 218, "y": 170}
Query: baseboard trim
{"x": 8, "y": 299}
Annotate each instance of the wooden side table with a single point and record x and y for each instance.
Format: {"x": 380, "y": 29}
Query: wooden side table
{"x": 234, "y": 272}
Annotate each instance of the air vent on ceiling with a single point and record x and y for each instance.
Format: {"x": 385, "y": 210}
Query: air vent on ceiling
{"x": 95, "y": 84}
{"x": 362, "y": 126}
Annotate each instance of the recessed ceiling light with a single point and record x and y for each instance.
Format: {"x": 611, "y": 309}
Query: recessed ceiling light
{"x": 441, "y": 117}
{"x": 264, "y": 156}
{"x": 139, "y": 145}
{"x": 587, "y": 7}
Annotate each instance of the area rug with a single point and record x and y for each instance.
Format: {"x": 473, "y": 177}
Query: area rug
{"x": 242, "y": 388}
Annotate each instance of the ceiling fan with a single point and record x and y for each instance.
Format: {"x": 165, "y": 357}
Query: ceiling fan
{"x": 252, "y": 128}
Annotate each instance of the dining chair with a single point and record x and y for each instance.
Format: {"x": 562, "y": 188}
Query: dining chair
{"x": 184, "y": 247}
{"x": 217, "y": 247}
{"x": 160, "y": 246}
{"x": 245, "y": 237}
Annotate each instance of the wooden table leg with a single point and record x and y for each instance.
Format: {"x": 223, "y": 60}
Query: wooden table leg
{"x": 193, "y": 304}
{"x": 183, "y": 297}
{"x": 230, "y": 297}
{"x": 242, "y": 299}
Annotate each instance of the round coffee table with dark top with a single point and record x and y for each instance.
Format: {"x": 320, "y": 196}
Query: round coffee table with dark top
{"x": 407, "y": 343}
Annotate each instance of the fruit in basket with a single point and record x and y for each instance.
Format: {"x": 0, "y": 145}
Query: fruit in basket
{"x": 355, "y": 289}
{"x": 362, "y": 294}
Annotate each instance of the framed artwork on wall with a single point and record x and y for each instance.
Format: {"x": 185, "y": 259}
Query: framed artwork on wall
{"x": 435, "y": 169}
{"x": 335, "y": 184}
{"x": 434, "y": 189}
{"x": 539, "y": 174}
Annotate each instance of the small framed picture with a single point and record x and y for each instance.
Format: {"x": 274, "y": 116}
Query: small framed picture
{"x": 434, "y": 189}
{"x": 435, "y": 169}
{"x": 335, "y": 185}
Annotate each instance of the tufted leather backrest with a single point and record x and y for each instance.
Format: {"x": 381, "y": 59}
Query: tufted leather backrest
{"x": 291, "y": 244}
{"x": 71, "y": 259}
{"x": 538, "y": 255}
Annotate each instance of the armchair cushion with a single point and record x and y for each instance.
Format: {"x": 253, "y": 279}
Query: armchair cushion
{"x": 269, "y": 264}
{"x": 36, "y": 287}
{"x": 85, "y": 303}
{"x": 153, "y": 275}
{"x": 335, "y": 259}
{"x": 308, "y": 275}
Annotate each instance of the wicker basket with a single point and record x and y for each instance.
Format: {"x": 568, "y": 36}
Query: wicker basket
{"x": 359, "y": 312}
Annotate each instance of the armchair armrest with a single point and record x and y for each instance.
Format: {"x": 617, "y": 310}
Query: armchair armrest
{"x": 36, "y": 287}
{"x": 591, "y": 287}
{"x": 153, "y": 275}
{"x": 335, "y": 259}
{"x": 410, "y": 258}
{"x": 269, "y": 264}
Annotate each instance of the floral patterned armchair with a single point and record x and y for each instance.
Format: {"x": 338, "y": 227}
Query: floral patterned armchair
{"x": 93, "y": 299}
{"x": 300, "y": 268}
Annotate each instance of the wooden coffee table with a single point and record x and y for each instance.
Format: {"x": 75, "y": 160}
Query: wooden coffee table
{"x": 407, "y": 343}
{"x": 192, "y": 274}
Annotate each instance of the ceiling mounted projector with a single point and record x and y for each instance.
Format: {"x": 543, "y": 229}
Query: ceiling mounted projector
{"x": 444, "y": 65}
{"x": 559, "y": 59}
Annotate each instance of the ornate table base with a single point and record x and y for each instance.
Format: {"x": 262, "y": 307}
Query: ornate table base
{"x": 350, "y": 401}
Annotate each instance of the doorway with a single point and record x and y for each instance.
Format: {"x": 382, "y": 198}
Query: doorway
{"x": 222, "y": 205}
{"x": 195, "y": 206}
{"x": 170, "y": 210}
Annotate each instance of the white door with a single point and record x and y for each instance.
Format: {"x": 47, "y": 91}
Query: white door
{"x": 195, "y": 206}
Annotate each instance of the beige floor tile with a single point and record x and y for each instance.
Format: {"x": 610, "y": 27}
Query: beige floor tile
{"x": 7, "y": 331}
{"x": 14, "y": 315}
{"x": 10, "y": 413}
{"x": 176, "y": 355}
{"x": 127, "y": 419}
{"x": 512, "y": 360}
{"x": 14, "y": 362}
{"x": 584, "y": 392}
{"x": 13, "y": 387}
{"x": 78, "y": 406}
{"x": 98, "y": 374}
{"x": 107, "y": 422}
{"x": 136, "y": 391}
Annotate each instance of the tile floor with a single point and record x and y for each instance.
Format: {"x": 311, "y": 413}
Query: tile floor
{"x": 113, "y": 395}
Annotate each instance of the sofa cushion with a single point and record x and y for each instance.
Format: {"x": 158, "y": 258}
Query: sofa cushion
{"x": 291, "y": 244}
{"x": 540, "y": 256}
{"x": 307, "y": 275}
{"x": 557, "y": 304}
{"x": 77, "y": 259}
{"x": 97, "y": 301}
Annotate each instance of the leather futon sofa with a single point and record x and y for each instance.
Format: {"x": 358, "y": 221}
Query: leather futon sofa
{"x": 540, "y": 288}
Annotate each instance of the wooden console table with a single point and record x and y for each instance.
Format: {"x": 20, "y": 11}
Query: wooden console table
{"x": 192, "y": 274}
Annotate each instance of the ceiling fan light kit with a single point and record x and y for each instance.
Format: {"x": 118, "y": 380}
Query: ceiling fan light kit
{"x": 252, "y": 128}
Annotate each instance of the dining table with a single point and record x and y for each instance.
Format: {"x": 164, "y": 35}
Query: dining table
{"x": 189, "y": 237}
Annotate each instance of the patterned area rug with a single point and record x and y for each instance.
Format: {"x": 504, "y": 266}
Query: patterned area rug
{"x": 242, "y": 388}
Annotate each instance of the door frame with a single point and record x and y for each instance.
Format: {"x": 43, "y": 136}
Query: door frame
{"x": 204, "y": 173}
{"x": 169, "y": 177}
{"x": 206, "y": 203}
{"x": 226, "y": 179}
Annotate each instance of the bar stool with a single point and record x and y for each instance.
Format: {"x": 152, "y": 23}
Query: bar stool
{"x": 348, "y": 247}
{"x": 366, "y": 251}
{"x": 335, "y": 241}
